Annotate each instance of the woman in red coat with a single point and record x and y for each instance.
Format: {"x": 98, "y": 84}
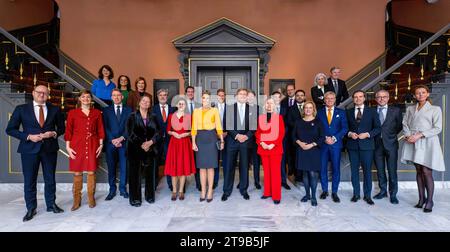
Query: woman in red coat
{"x": 84, "y": 141}
{"x": 180, "y": 160}
{"x": 269, "y": 138}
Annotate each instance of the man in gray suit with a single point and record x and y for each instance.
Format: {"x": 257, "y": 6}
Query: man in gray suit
{"x": 386, "y": 146}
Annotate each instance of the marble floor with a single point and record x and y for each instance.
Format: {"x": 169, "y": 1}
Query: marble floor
{"x": 236, "y": 214}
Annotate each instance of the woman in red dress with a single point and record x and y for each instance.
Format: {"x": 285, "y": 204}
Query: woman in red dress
{"x": 84, "y": 141}
{"x": 180, "y": 156}
{"x": 269, "y": 138}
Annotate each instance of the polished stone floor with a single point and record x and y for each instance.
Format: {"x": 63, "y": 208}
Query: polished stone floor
{"x": 236, "y": 214}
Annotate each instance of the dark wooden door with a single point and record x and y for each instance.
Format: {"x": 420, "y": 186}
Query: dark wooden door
{"x": 230, "y": 79}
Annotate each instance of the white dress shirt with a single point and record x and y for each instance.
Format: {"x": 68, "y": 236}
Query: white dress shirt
{"x": 241, "y": 107}
{"x": 120, "y": 108}
{"x": 166, "y": 108}
{"x": 36, "y": 110}
{"x": 356, "y": 110}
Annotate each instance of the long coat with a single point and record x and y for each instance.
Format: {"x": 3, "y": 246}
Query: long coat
{"x": 426, "y": 151}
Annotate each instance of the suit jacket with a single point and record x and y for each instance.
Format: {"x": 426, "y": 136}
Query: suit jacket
{"x": 317, "y": 96}
{"x": 390, "y": 128}
{"x": 338, "y": 127}
{"x": 369, "y": 123}
{"x": 234, "y": 120}
{"x": 285, "y": 103}
{"x": 24, "y": 116}
{"x": 113, "y": 127}
{"x": 292, "y": 115}
{"x": 156, "y": 111}
{"x": 342, "y": 93}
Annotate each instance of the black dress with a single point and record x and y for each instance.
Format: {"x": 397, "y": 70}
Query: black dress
{"x": 308, "y": 132}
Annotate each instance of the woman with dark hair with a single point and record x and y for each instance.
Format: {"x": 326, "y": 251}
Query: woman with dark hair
{"x": 84, "y": 141}
{"x": 125, "y": 87}
{"x": 103, "y": 86}
{"x": 134, "y": 96}
{"x": 143, "y": 133}
{"x": 421, "y": 125}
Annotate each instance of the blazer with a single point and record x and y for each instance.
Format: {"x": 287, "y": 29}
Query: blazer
{"x": 338, "y": 127}
{"x": 156, "y": 111}
{"x": 390, "y": 128}
{"x": 224, "y": 119}
{"x": 24, "y": 116}
{"x": 342, "y": 93}
{"x": 318, "y": 96}
{"x": 113, "y": 127}
{"x": 292, "y": 115}
{"x": 233, "y": 119}
{"x": 270, "y": 133}
{"x": 133, "y": 99}
{"x": 370, "y": 123}
{"x": 138, "y": 133}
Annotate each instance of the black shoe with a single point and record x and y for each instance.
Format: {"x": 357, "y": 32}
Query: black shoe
{"x": 224, "y": 197}
{"x": 258, "y": 186}
{"x": 335, "y": 197}
{"x": 380, "y": 195}
{"x": 428, "y": 208}
{"x": 355, "y": 198}
{"x": 305, "y": 199}
{"x": 237, "y": 187}
{"x": 420, "y": 204}
{"x": 265, "y": 197}
{"x": 246, "y": 196}
{"x": 199, "y": 188}
{"x": 276, "y": 202}
{"x": 323, "y": 195}
{"x": 30, "y": 214}
{"x": 313, "y": 202}
{"x": 150, "y": 200}
{"x": 394, "y": 200}
{"x": 110, "y": 196}
{"x": 369, "y": 200}
{"x": 124, "y": 195}
{"x": 286, "y": 186}
{"x": 171, "y": 188}
{"x": 209, "y": 200}
{"x": 136, "y": 203}
{"x": 55, "y": 209}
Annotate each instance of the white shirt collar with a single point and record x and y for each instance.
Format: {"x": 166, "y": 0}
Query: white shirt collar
{"x": 37, "y": 104}
{"x": 332, "y": 109}
{"x": 362, "y": 107}
{"x": 161, "y": 105}
{"x": 385, "y": 106}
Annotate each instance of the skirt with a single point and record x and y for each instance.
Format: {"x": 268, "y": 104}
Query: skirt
{"x": 206, "y": 156}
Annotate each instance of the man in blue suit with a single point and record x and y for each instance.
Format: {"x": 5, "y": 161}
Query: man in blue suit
{"x": 334, "y": 122}
{"x": 115, "y": 120}
{"x": 363, "y": 125}
{"x": 41, "y": 123}
{"x": 161, "y": 112}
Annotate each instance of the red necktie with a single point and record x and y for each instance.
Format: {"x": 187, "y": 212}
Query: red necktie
{"x": 41, "y": 115}
{"x": 164, "y": 113}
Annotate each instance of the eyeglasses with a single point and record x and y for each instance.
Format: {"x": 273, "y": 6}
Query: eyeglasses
{"x": 382, "y": 97}
{"x": 41, "y": 93}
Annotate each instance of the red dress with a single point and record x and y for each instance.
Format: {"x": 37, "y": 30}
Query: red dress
{"x": 180, "y": 156}
{"x": 84, "y": 133}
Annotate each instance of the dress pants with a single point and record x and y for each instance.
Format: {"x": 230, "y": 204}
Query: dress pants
{"x": 30, "y": 169}
{"x": 233, "y": 149}
{"x": 256, "y": 163}
{"x": 222, "y": 156}
{"x": 116, "y": 156}
{"x": 272, "y": 175}
{"x": 365, "y": 159}
{"x": 334, "y": 155}
{"x": 145, "y": 165}
{"x": 382, "y": 157}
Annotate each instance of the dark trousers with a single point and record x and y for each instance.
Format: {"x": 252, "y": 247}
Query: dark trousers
{"x": 228, "y": 173}
{"x": 222, "y": 156}
{"x": 145, "y": 165}
{"x": 256, "y": 161}
{"x": 163, "y": 146}
{"x": 288, "y": 159}
{"x": 383, "y": 156}
{"x": 364, "y": 159}
{"x": 116, "y": 157}
{"x": 332, "y": 155}
{"x": 30, "y": 169}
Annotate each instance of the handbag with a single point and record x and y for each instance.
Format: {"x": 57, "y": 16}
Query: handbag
{"x": 218, "y": 145}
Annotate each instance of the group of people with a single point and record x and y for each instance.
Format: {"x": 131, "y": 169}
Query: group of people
{"x": 196, "y": 138}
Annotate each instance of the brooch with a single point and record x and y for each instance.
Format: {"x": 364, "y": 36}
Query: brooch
{"x": 337, "y": 116}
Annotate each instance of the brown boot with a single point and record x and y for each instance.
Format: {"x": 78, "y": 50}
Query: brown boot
{"x": 77, "y": 187}
{"x": 91, "y": 189}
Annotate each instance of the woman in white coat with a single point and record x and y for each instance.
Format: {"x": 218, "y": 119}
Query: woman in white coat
{"x": 421, "y": 125}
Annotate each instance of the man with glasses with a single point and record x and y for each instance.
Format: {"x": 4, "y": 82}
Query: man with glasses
{"x": 41, "y": 123}
{"x": 386, "y": 146}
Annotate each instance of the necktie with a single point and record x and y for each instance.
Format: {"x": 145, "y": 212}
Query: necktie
{"x": 381, "y": 114}
{"x": 335, "y": 86}
{"x": 358, "y": 116}
{"x": 221, "y": 112}
{"x": 278, "y": 110}
{"x": 291, "y": 102}
{"x": 191, "y": 108}
{"x": 118, "y": 113}
{"x": 164, "y": 113}
{"x": 41, "y": 116}
{"x": 241, "y": 113}
{"x": 329, "y": 116}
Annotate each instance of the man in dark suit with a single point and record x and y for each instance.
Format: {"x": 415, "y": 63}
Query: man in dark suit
{"x": 238, "y": 139}
{"x": 253, "y": 147}
{"x": 386, "y": 146}
{"x": 334, "y": 121}
{"x": 363, "y": 126}
{"x": 41, "y": 123}
{"x": 114, "y": 121}
{"x": 161, "y": 111}
{"x": 282, "y": 110}
{"x": 293, "y": 114}
{"x": 289, "y": 148}
{"x": 337, "y": 85}
{"x": 222, "y": 107}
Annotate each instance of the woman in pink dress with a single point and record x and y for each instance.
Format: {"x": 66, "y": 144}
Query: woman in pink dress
{"x": 180, "y": 156}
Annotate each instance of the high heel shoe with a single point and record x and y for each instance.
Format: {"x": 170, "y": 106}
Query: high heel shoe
{"x": 428, "y": 209}
{"x": 181, "y": 197}
{"x": 209, "y": 199}
{"x": 420, "y": 204}
{"x": 174, "y": 196}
